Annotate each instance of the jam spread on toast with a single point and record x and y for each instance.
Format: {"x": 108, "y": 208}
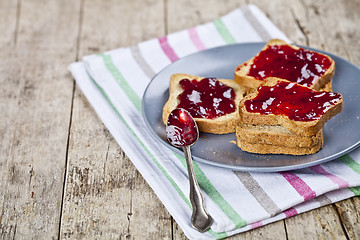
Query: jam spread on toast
{"x": 297, "y": 102}
{"x": 207, "y": 98}
{"x": 181, "y": 128}
{"x": 301, "y": 66}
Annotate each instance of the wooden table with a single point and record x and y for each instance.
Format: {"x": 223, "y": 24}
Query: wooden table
{"x": 62, "y": 175}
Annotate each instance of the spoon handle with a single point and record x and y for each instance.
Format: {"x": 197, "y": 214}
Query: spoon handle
{"x": 200, "y": 219}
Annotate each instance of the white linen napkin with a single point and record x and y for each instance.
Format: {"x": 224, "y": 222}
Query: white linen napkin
{"x": 114, "y": 83}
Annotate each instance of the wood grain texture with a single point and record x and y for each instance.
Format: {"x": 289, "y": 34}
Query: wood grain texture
{"x": 36, "y": 118}
{"x": 322, "y": 223}
{"x": 9, "y": 11}
{"x": 283, "y": 15}
{"x": 349, "y": 212}
{"x": 113, "y": 24}
{"x": 105, "y": 196}
{"x": 197, "y": 12}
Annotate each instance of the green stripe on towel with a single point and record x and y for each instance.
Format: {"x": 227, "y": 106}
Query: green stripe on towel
{"x": 119, "y": 78}
{"x": 217, "y": 235}
{"x": 224, "y": 31}
{"x": 351, "y": 163}
{"x": 355, "y": 190}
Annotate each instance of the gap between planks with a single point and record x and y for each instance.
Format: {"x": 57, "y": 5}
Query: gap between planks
{"x": 70, "y": 119}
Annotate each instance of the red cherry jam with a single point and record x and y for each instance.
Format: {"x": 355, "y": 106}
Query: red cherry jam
{"x": 207, "y": 98}
{"x": 181, "y": 128}
{"x": 301, "y": 66}
{"x": 295, "y": 101}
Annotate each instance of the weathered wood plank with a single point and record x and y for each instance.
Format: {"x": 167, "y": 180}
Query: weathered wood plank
{"x": 349, "y": 212}
{"x": 331, "y": 26}
{"x": 36, "y": 99}
{"x": 117, "y": 24}
{"x": 282, "y": 14}
{"x": 197, "y": 12}
{"x": 99, "y": 179}
{"x": 105, "y": 196}
{"x": 322, "y": 223}
{"x": 8, "y": 22}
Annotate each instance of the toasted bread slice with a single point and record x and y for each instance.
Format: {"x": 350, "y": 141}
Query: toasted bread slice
{"x": 327, "y": 87}
{"x": 275, "y": 135}
{"x": 262, "y": 148}
{"x": 219, "y": 125}
{"x": 312, "y": 74}
{"x": 304, "y": 115}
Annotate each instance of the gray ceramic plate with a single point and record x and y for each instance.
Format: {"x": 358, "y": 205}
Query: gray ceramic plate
{"x": 341, "y": 133}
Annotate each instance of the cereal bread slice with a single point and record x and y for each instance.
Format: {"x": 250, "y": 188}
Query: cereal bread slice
{"x": 300, "y": 109}
{"x": 275, "y": 135}
{"x": 290, "y": 62}
{"x": 219, "y": 125}
{"x": 262, "y": 148}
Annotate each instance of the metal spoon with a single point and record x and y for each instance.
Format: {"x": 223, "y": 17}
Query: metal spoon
{"x": 182, "y": 131}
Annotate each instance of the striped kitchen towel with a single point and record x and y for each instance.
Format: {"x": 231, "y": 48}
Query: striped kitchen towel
{"x": 114, "y": 83}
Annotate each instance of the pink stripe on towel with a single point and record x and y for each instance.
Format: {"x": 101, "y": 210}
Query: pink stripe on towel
{"x": 290, "y": 212}
{"x": 194, "y": 37}
{"x": 335, "y": 179}
{"x": 299, "y": 185}
{"x": 168, "y": 50}
{"x": 256, "y": 224}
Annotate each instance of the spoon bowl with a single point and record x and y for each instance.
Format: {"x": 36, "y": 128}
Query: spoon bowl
{"x": 182, "y": 131}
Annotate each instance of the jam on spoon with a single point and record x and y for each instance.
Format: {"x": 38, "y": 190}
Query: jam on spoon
{"x": 182, "y": 131}
{"x": 181, "y": 128}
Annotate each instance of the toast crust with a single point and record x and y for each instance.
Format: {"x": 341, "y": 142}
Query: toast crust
{"x": 304, "y": 128}
{"x": 242, "y": 70}
{"x": 275, "y": 135}
{"x": 220, "y": 125}
{"x": 276, "y": 149}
